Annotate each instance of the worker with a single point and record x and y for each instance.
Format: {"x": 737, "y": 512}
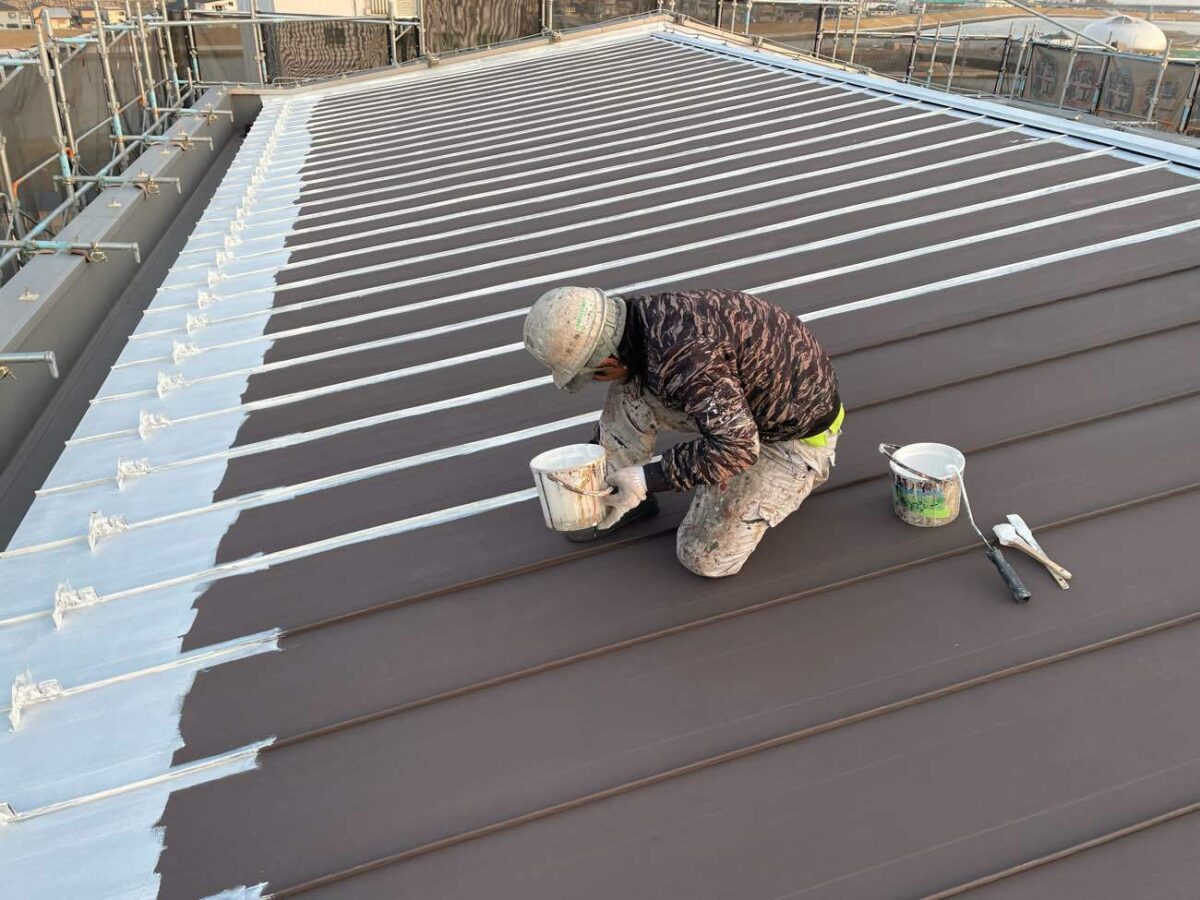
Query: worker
{"x": 743, "y": 374}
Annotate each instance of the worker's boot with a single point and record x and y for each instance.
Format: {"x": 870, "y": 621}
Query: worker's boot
{"x": 644, "y": 510}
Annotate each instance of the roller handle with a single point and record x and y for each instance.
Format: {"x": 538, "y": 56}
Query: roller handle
{"x": 1020, "y": 593}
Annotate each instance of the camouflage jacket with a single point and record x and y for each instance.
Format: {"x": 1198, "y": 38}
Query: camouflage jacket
{"x": 743, "y": 369}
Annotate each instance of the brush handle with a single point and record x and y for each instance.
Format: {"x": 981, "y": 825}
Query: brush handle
{"x": 1020, "y": 593}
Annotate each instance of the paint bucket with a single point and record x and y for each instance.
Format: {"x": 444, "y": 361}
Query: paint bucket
{"x": 925, "y": 490}
{"x": 571, "y": 487}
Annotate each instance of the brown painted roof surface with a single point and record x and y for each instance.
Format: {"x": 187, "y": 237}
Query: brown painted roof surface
{"x": 472, "y": 707}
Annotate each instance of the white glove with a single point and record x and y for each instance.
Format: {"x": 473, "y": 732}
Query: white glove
{"x": 630, "y": 484}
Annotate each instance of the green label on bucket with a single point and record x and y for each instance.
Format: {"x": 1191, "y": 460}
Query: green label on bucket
{"x": 922, "y": 501}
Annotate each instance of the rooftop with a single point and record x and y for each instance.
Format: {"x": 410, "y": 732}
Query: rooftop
{"x": 293, "y": 620}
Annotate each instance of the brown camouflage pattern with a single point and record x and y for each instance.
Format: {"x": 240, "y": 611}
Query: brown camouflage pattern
{"x": 742, "y": 369}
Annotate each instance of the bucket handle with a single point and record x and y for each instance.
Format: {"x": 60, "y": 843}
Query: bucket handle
{"x": 889, "y": 449}
{"x": 583, "y": 492}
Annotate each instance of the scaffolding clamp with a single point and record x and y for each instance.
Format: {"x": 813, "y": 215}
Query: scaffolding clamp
{"x": 148, "y": 184}
{"x": 26, "y": 692}
{"x": 208, "y": 114}
{"x": 131, "y": 469}
{"x": 67, "y": 598}
{"x": 101, "y": 526}
{"x": 149, "y": 422}
{"x": 182, "y": 141}
{"x": 93, "y": 251}
{"x": 170, "y": 383}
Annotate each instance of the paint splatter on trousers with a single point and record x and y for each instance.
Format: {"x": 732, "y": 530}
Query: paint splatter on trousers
{"x": 725, "y": 523}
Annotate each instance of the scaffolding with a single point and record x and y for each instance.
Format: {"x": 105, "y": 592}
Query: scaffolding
{"x": 64, "y": 138}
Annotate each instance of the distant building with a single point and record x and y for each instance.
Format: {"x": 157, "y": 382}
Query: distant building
{"x": 61, "y": 18}
{"x": 13, "y": 16}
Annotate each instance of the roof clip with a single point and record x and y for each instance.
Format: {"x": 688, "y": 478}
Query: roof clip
{"x": 7, "y": 814}
{"x": 67, "y": 598}
{"x": 149, "y": 422}
{"x": 432, "y": 60}
{"x": 181, "y": 351}
{"x": 169, "y": 383}
{"x": 130, "y": 469}
{"x": 214, "y": 277}
{"x": 231, "y": 241}
{"x": 205, "y": 299}
{"x": 101, "y": 526}
{"x": 192, "y": 323}
{"x": 26, "y": 692}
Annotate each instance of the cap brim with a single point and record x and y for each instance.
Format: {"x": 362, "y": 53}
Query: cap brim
{"x": 576, "y": 384}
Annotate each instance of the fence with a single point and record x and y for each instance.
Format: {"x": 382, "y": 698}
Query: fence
{"x": 1152, "y": 91}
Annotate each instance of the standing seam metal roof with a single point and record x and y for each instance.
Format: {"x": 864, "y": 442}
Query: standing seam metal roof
{"x": 405, "y": 686}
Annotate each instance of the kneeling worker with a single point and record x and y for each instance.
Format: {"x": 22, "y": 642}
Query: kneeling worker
{"x": 746, "y": 376}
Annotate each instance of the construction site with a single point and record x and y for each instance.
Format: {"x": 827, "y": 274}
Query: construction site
{"x": 284, "y": 606}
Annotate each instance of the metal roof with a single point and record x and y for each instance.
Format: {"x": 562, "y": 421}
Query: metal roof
{"x": 287, "y": 594}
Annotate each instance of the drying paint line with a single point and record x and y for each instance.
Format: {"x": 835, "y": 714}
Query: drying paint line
{"x": 995, "y": 272}
{"x": 194, "y": 350}
{"x": 574, "y": 170}
{"x": 697, "y": 200}
{"x": 26, "y": 692}
{"x": 724, "y": 265}
{"x": 242, "y": 760}
{"x": 285, "y": 493}
{"x": 626, "y": 236}
{"x": 722, "y": 177}
{"x": 715, "y": 171}
{"x": 648, "y": 117}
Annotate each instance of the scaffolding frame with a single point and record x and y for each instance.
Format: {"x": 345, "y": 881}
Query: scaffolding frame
{"x": 168, "y": 86}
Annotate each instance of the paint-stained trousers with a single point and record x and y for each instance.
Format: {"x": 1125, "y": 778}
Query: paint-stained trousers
{"x": 725, "y": 523}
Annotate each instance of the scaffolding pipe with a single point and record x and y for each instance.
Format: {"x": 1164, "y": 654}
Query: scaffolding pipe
{"x": 937, "y": 41}
{"x": 44, "y": 357}
{"x": 92, "y": 252}
{"x": 954, "y": 55}
{"x": 749, "y": 7}
{"x": 1062, "y": 94}
{"x": 260, "y": 50}
{"x": 163, "y": 39}
{"x": 63, "y": 108}
{"x": 190, "y": 40}
{"x": 10, "y": 190}
{"x": 1162, "y": 71}
{"x": 151, "y": 94}
{"x": 1029, "y": 10}
{"x": 420, "y": 10}
{"x": 137, "y": 63}
{"x": 857, "y": 19}
{"x": 1012, "y": 88}
{"x": 47, "y": 77}
{"x": 1004, "y": 54}
{"x": 837, "y": 32}
{"x": 114, "y": 109}
{"x": 912, "y": 57}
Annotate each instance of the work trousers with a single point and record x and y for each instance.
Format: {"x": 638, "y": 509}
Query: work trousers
{"x": 725, "y": 522}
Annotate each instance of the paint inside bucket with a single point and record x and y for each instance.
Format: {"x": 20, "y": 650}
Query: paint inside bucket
{"x": 927, "y": 502}
{"x": 570, "y": 485}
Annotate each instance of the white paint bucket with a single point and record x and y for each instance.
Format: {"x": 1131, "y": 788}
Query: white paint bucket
{"x": 571, "y": 487}
{"x": 925, "y": 490}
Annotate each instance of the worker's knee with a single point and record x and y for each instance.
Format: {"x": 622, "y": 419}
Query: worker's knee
{"x": 707, "y": 561}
